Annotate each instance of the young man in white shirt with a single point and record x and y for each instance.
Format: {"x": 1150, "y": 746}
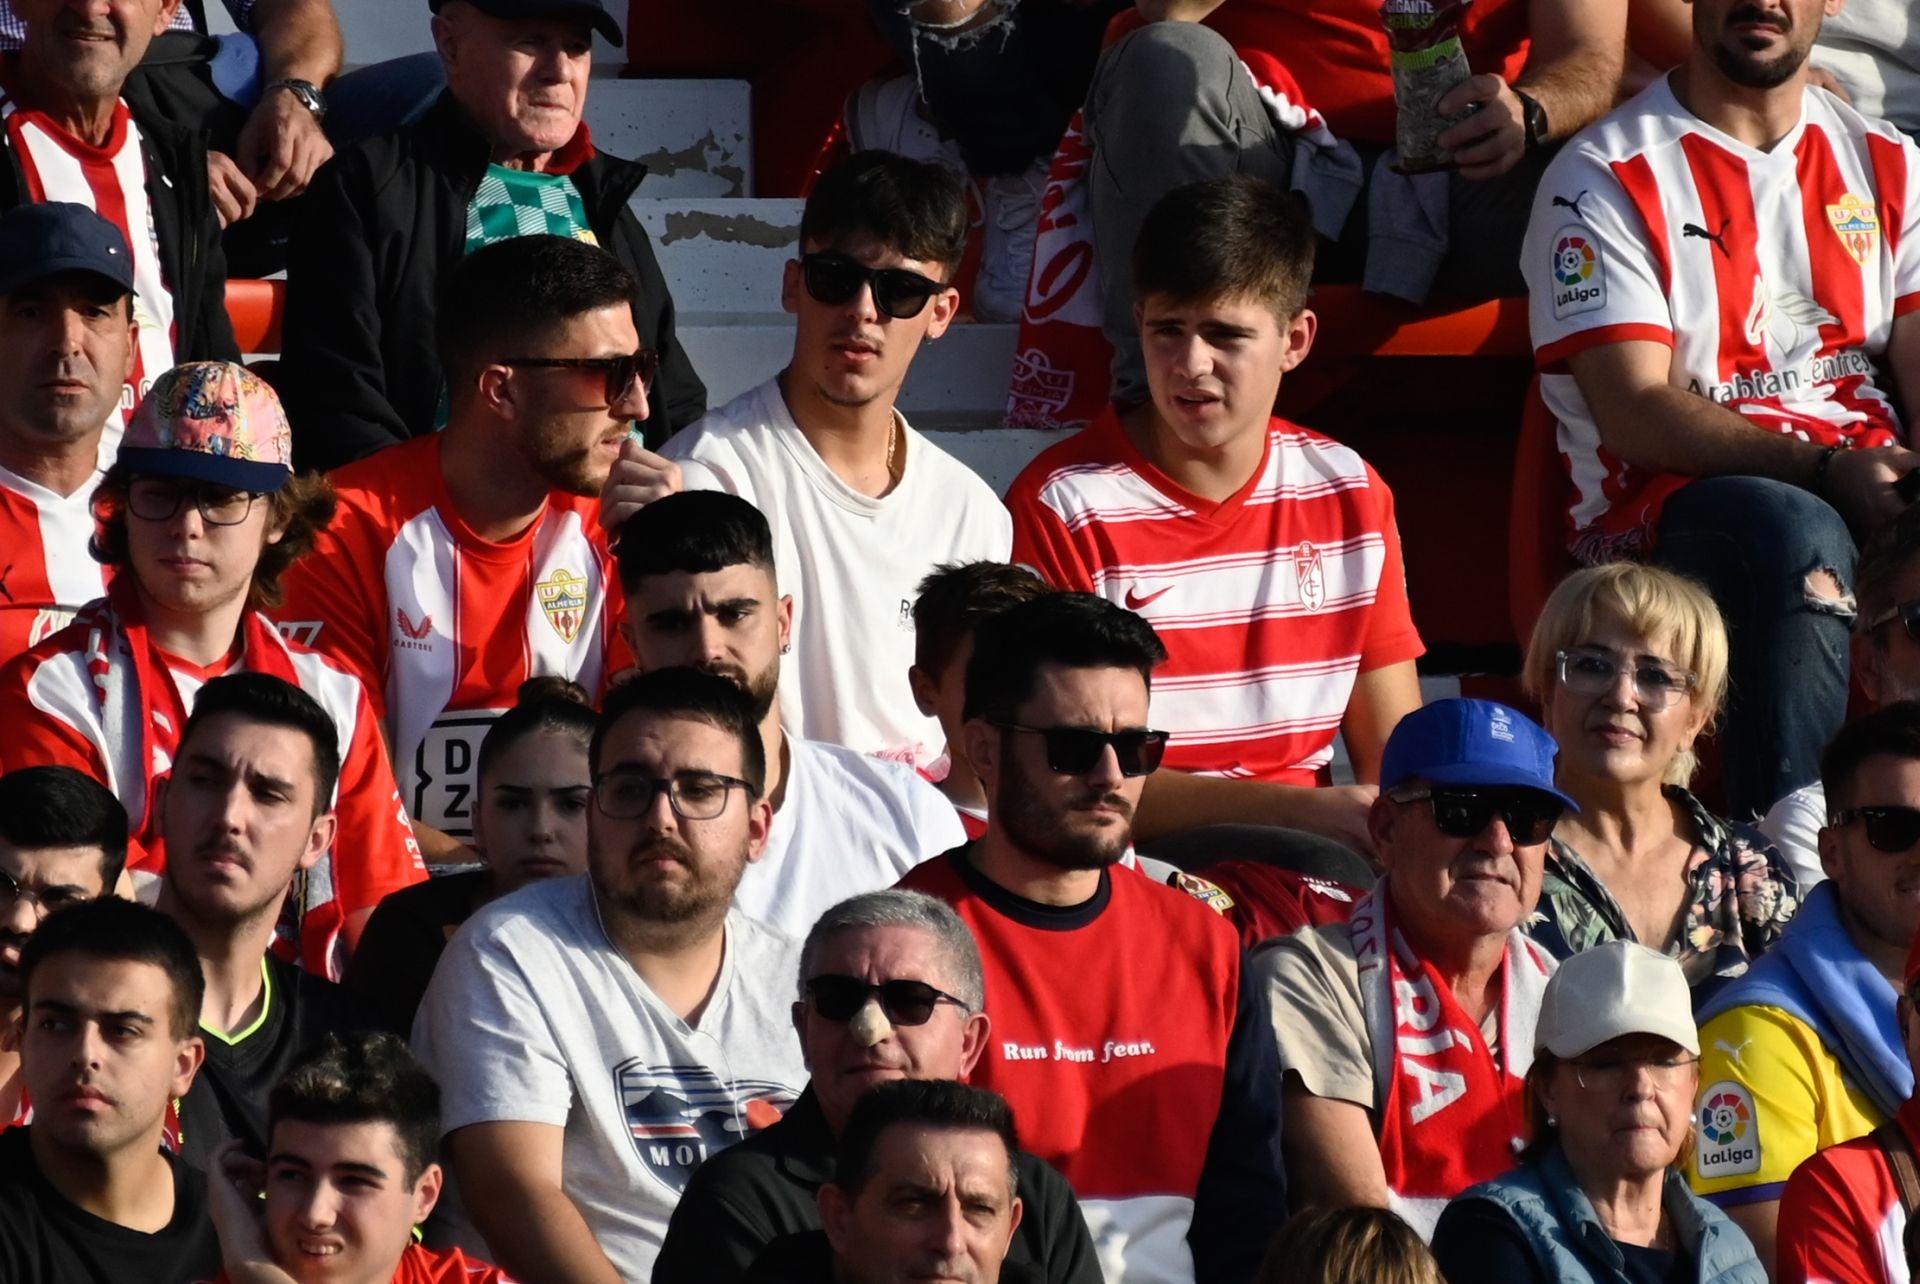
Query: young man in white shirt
{"x": 863, "y": 506}
{"x": 596, "y": 1037}
{"x": 697, "y": 570}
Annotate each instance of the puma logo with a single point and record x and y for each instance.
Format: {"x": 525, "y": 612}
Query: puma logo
{"x": 1721, "y": 1045}
{"x": 1718, "y": 238}
{"x": 1573, "y": 204}
{"x": 1137, "y": 601}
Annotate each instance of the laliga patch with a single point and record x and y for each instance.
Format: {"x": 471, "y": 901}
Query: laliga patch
{"x": 1727, "y": 1130}
{"x": 1577, "y": 273}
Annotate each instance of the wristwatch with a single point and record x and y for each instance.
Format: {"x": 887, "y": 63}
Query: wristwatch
{"x": 1534, "y": 116}
{"x": 305, "y": 92}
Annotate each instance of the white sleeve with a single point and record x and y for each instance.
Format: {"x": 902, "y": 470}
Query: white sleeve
{"x": 486, "y": 1037}
{"x": 936, "y": 825}
{"x": 1794, "y": 825}
{"x": 1906, "y": 263}
{"x": 1590, "y": 265}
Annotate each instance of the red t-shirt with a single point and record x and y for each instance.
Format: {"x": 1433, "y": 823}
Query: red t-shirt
{"x": 1840, "y": 1216}
{"x": 422, "y": 1265}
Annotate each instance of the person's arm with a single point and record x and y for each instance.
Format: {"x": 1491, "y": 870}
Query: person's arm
{"x": 282, "y": 144}
{"x": 1903, "y": 363}
{"x": 712, "y": 1239}
{"x": 1381, "y": 697}
{"x": 1576, "y": 51}
{"x": 1823, "y": 1232}
{"x": 375, "y": 852}
{"x": 1478, "y": 1242}
{"x": 1175, "y": 800}
{"x": 1647, "y": 422}
{"x": 1660, "y": 31}
{"x": 1330, "y": 1151}
{"x": 1242, "y": 1196}
{"x": 510, "y": 1185}
{"x": 234, "y": 1183}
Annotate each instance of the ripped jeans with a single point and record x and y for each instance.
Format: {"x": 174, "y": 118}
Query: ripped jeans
{"x": 1005, "y": 89}
{"x": 1760, "y": 547}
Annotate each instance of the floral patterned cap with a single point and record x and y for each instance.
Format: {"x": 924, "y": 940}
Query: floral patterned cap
{"x": 211, "y": 421}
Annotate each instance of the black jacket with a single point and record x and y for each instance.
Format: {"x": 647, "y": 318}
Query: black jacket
{"x": 762, "y": 1190}
{"x": 380, "y": 223}
{"x": 191, "y": 260}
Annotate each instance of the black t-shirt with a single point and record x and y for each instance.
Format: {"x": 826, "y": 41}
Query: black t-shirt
{"x": 46, "y": 1239}
{"x": 229, "y": 1095}
{"x": 404, "y": 938}
{"x": 1478, "y": 1242}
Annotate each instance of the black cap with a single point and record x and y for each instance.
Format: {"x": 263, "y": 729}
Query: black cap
{"x": 590, "y": 11}
{"x": 39, "y": 241}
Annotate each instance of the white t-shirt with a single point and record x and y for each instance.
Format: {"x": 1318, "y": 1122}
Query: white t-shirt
{"x": 849, "y": 823}
{"x": 1794, "y": 825}
{"x": 853, "y": 564}
{"x": 533, "y": 1016}
{"x": 1872, "y": 47}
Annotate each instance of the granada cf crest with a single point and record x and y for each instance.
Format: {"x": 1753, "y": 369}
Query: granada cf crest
{"x": 563, "y": 596}
{"x": 1857, "y": 225}
{"x": 1312, "y": 574}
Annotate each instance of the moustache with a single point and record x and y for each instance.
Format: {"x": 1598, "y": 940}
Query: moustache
{"x": 1759, "y": 17}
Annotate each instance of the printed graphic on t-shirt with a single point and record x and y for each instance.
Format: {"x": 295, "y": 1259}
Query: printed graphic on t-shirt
{"x": 681, "y": 1114}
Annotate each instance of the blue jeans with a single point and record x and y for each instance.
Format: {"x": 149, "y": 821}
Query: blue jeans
{"x": 1753, "y": 543}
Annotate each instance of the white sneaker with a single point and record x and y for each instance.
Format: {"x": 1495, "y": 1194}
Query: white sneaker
{"x": 885, "y": 115}
{"x": 1012, "y": 219}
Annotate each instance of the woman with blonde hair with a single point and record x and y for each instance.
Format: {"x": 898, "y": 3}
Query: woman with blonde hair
{"x": 1356, "y": 1245}
{"x": 1629, "y": 665}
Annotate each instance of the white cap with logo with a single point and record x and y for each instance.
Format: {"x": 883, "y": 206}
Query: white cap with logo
{"x": 1611, "y": 990}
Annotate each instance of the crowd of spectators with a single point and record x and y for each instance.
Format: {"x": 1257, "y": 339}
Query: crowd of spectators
{"x": 470, "y": 812}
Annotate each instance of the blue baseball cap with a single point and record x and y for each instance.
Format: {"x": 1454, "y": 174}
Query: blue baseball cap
{"x": 39, "y": 241}
{"x": 1471, "y": 743}
{"x": 592, "y": 12}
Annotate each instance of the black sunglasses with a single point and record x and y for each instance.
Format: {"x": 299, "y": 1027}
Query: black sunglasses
{"x": 1463, "y": 813}
{"x": 837, "y": 998}
{"x": 1074, "y": 751}
{"x": 1889, "y": 829}
{"x": 620, "y": 372}
{"x": 834, "y": 279}
{"x": 1908, "y": 613}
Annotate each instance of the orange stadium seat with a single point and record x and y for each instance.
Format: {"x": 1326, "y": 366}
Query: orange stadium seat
{"x": 255, "y": 308}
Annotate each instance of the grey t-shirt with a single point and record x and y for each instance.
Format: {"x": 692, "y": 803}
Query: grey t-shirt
{"x": 533, "y": 1016}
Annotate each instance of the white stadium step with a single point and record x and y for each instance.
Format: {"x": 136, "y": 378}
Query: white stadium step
{"x": 692, "y": 135}
{"x": 722, "y": 258}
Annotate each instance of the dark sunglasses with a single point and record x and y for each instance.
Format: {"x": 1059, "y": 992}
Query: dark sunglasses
{"x": 620, "y": 372}
{"x": 834, "y": 279}
{"x": 1908, "y": 613}
{"x": 1889, "y": 829}
{"x": 837, "y": 998}
{"x": 1074, "y": 751}
{"x": 1463, "y": 813}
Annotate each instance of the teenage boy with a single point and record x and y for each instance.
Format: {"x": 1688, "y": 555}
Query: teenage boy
{"x": 1264, "y": 554}
{"x": 862, "y": 506}
{"x": 351, "y": 1168}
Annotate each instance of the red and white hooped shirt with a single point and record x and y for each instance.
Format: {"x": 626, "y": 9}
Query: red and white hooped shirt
{"x": 110, "y": 180}
{"x": 1270, "y": 603}
{"x": 1775, "y": 277}
{"x": 443, "y": 626}
{"x": 46, "y": 572}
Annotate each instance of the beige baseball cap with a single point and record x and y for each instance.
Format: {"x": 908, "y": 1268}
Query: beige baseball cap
{"x": 1612, "y": 990}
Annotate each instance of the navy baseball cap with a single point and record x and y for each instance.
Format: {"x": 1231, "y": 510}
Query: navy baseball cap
{"x": 39, "y": 241}
{"x": 592, "y": 11}
{"x": 1471, "y": 743}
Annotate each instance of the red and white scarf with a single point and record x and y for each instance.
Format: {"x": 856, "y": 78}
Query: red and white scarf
{"x": 1449, "y": 1110}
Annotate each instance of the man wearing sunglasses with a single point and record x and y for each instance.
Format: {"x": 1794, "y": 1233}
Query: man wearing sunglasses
{"x": 890, "y": 988}
{"x": 862, "y": 505}
{"x": 464, "y": 562}
{"x": 1143, "y": 1018}
{"x": 63, "y": 840}
{"x": 596, "y": 1038}
{"x": 697, "y": 569}
{"x": 1805, "y": 1051}
{"x": 200, "y": 518}
{"x": 1435, "y": 958}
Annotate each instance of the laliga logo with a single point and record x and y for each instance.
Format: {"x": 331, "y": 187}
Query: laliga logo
{"x": 1576, "y": 274}
{"x": 1723, "y": 1120}
{"x": 1572, "y": 260}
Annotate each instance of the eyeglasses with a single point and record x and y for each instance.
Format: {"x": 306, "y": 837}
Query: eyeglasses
{"x": 1074, "y": 751}
{"x": 1590, "y": 672}
{"x": 837, "y": 998}
{"x": 834, "y": 279}
{"x": 12, "y": 891}
{"x": 157, "y": 501}
{"x": 1908, "y": 613}
{"x": 693, "y": 795}
{"x": 620, "y": 371}
{"x": 1464, "y": 813}
{"x": 1889, "y": 829}
{"x": 1609, "y": 1074}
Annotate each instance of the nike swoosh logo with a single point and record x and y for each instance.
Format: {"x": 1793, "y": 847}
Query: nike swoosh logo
{"x": 1139, "y": 602}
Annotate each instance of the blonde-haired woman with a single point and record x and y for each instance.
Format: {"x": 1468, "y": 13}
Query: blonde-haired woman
{"x": 1629, "y": 665}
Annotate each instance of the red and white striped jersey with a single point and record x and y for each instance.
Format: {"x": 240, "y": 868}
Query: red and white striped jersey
{"x": 46, "y": 573}
{"x": 1270, "y": 603}
{"x": 111, "y": 181}
{"x": 444, "y": 626}
{"x": 1774, "y": 276}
